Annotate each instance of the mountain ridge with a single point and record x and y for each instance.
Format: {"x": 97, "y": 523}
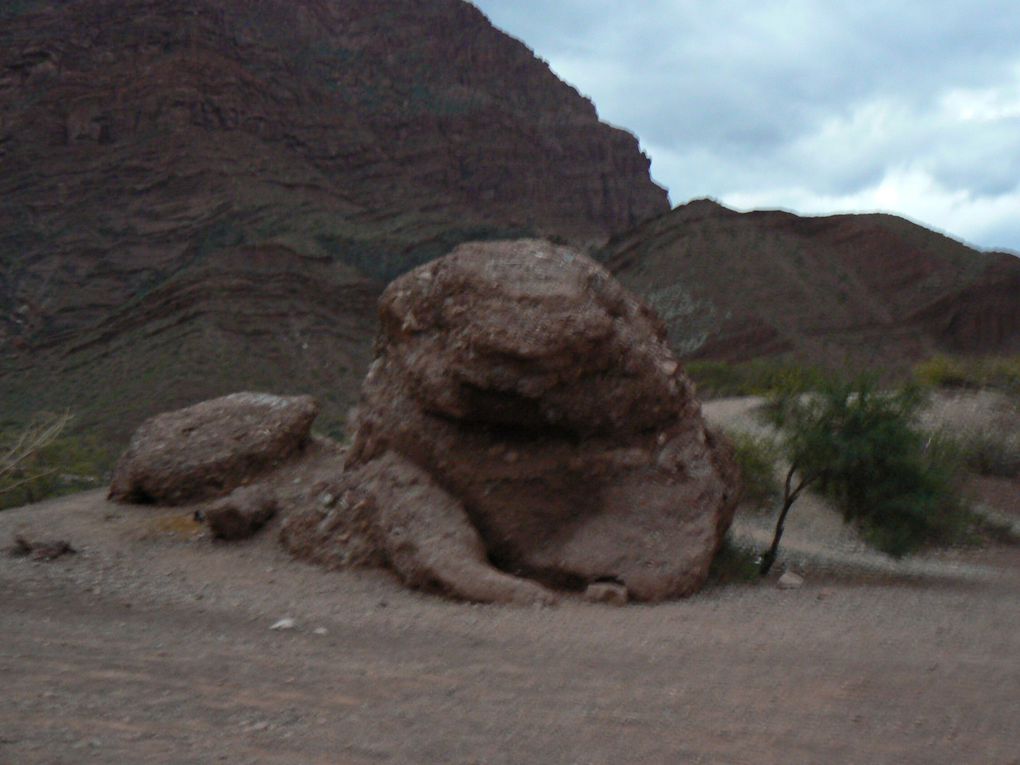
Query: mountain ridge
{"x": 142, "y": 142}
{"x": 867, "y": 289}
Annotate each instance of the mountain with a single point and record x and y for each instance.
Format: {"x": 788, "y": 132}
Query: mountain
{"x": 205, "y": 195}
{"x": 869, "y": 290}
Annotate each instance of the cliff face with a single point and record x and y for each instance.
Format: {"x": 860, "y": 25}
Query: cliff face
{"x": 873, "y": 290}
{"x": 141, "y": 140}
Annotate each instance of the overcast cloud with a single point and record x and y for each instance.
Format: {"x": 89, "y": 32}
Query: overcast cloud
{"x": 817, "y": 106}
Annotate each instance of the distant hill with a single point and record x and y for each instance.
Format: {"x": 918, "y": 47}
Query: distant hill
{"x": 871, "y": 290}
{"x": 206, "y": 195}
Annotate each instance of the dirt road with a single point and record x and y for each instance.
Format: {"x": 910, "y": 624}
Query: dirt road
{"x": 152, "y": 646}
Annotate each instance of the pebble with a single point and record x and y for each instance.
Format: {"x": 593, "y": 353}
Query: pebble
{"x": 790, "y": 581}
{"x": 284, "y": 624}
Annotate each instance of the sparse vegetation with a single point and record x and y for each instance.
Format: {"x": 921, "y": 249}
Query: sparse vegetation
{"x": 733, "y": 564}
{"x": 860, "y": 447}
{"x": 43, "y": 460}
{"x": 995, "y": 372}
{"x": 752, "y": 378}
{"x": 757, "y": 457}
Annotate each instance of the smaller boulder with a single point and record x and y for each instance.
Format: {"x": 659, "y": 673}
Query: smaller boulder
{"x": 242, "y": 513}
{"x": 209, "y": 449}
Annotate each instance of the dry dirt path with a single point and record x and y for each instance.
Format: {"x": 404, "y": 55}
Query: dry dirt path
{"x": 153, "y": 647}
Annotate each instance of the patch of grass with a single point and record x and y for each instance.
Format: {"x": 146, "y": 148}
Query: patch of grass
{"x": 756, "y": 456}
{"x": 733, "y": 564}
{"x": 66, "y": 464}
{"x": 995, "y": 372}
{"x": 759, "y": 377}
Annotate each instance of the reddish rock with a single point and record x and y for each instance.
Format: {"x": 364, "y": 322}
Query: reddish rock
{"x": 242, "y": 513}
{"x": 524, "y": 410}
{"x": 211, "y": 448}
{"x": 867, "y": 291}
{"x": 392, "y": 512}
{"x": 150, "y": 148}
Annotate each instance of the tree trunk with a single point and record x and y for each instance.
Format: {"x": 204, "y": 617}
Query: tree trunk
{"x": 789, "y": 497}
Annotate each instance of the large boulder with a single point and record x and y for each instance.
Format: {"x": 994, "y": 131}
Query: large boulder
{"x": 209, "y": 449}
{"x": 524, "y": 428}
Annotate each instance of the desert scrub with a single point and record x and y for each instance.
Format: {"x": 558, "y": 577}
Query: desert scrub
{"x": 43, "y": 459}
{"x": 756, "y": 456}
{"x": 733, "y": 564}
{"x": 861, "y": 447}
{"x": 752, "y": 378}
{"x": 996, "y": 372}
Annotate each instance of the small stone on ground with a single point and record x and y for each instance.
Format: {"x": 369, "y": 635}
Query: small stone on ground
{"x": 790, "y": 581}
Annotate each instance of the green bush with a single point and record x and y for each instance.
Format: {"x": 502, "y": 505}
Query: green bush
{"x": 756, "y": 456}
{"x": 860, "y": 446}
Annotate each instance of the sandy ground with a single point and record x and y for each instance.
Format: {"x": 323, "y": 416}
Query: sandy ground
{"x": 153, "y": 645}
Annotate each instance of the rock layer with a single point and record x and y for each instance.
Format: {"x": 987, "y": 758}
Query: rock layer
{"x": 144, "y": 140}
{"x": 871, "y": 291}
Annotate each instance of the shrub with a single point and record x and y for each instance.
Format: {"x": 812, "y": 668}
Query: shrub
{"x": 997, "y": 372}
{"x": 756, "y": 457}
{"x": 41, "y": 460}
{"x": 860, "y": 447}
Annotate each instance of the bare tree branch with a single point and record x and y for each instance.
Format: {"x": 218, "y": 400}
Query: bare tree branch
{"x": 29, "y": 443}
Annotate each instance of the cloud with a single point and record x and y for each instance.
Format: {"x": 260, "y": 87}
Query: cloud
{"x": 910, "y": 107}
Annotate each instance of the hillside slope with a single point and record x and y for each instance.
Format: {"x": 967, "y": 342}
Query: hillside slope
{"x": 871, "y": 290}
{"x": 142, "y": 141}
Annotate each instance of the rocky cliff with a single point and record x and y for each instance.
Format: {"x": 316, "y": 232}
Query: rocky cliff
{"x": 146, "y": 145}
{"x": 872, "y": 290}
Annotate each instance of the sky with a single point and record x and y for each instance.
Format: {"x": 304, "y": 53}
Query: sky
{"x": 815, "y": 106}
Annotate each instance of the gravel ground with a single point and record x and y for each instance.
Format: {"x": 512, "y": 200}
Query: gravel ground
{"x": 153, "y": 644}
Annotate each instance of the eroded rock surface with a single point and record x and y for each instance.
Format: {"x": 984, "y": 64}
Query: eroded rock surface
{"x": 524, "y": 428}
{"x": 209, "y": 449}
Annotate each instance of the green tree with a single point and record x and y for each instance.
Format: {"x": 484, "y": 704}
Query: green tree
{"x": 859, "y": 446}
